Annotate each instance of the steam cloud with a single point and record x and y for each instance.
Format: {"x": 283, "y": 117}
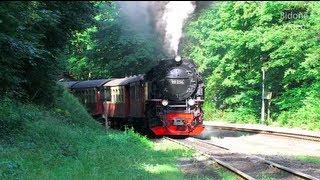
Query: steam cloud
{"x": 176, "y": 12}
{"x": 167, "y": 18}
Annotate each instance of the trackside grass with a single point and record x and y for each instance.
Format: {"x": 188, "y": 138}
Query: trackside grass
{"x": 309, "y": 159}
{"x": 64, "y": 142}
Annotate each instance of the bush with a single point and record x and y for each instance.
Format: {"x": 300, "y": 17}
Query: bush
{"x": 68, "y": 108}
{"x": 238, "y": 115}
{"x": 11, "y": 120}
{"x": 308, "y": 116}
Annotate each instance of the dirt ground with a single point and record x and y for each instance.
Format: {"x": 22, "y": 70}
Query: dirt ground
{"x": 200, "y": 167}
{"x": 283, "y": 150}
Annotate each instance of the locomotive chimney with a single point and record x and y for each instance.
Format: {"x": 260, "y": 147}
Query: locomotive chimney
{"x": 177, "y": 58}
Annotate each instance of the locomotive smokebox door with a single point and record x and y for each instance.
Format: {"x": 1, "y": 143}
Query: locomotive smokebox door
{"x": 180, "y": 83}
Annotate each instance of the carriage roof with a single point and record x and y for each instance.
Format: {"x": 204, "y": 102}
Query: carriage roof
{"x": 90, "y": 84}
{"x": 67, "y": 84}
{"x": 125, "y": 81}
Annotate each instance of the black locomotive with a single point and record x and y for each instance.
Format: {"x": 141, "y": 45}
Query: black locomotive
{"x": 181, "y": 90}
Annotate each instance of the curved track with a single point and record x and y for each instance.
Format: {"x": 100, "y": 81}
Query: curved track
{"x": 245, "y": 166}
{"x": 268, "y": 132}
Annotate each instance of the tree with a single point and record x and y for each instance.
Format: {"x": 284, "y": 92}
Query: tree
{"x": 32, "y": 39}
{"x": 112, "y": 48}
{"x": 232, "y": 41}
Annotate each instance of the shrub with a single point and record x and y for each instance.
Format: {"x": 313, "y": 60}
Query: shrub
{"x": 10, "y": 117}
{"x": 70, "y": 109}
{"x": 308, "y": 116}
{"x": 238, "y": 115}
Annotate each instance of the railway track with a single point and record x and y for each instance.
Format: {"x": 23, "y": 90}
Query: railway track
{"x": 246, "y": 166}
{"x": 268, "y": 132}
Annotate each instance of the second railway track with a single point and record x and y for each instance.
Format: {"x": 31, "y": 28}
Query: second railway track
{"x": 244, "y": 165}
{"x": 268, "y": 132}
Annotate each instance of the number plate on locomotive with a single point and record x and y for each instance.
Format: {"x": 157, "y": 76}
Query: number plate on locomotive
{"x": 178, "y": 122}
{"x": 177, "y": 81}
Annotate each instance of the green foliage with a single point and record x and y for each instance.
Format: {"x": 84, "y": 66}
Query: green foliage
{"x": 32, "y": 38}
{"x": 308, "y": 116}
{"x": 41, "y": 41}
{"x": 232, "y": 41}
{"x": 65, "y": 142}
{"x": 237, "y": 115}
{"x": 68, "y": 113}
{"x": 112, "y": 48}
{"x": 11, "y": 122}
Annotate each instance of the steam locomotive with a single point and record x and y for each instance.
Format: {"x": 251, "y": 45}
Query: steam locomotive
{"x": 166, "y": 100}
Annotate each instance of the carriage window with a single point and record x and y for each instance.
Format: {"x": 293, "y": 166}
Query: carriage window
{"x": 120, "y": 95}
{"x": 117, "y": 95}
{"x": 123, "y": 94}
{"x": 113, "y": 97}
{"x": 87, "y": 96}
{"x": 107, "y": 94}
{"x": 83, "y": 95}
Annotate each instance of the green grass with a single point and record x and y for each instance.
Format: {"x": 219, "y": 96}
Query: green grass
{"x": 227, "y": 175}
{"x": 64, "y": 142}
{"x": 309, "y": 159}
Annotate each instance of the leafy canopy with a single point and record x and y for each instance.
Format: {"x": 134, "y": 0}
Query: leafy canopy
{"x": 232, "y": 41}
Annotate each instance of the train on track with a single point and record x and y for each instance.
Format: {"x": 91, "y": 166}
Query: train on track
{"x": 166, "y": 100}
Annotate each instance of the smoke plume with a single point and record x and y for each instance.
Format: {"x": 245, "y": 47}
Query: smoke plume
{"x": 176, "y": 12}
{"x": 159, "y": 17}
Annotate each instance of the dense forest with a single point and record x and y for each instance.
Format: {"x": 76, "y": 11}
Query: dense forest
{"x": 41, "y": 42}
{"x": 231, "y": 42}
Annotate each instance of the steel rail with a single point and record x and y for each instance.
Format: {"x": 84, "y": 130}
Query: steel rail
{"x": 222, "y": 163}
{"x": 279, "y": 166}
{"x": 269, "y": 132}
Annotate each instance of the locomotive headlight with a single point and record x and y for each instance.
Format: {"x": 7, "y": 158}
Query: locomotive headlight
{"x": 191, "y": 102}
{"x": 164, "y": 102}
{"x": 178, "y": 59}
